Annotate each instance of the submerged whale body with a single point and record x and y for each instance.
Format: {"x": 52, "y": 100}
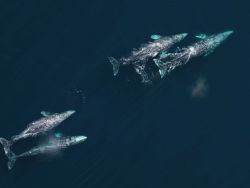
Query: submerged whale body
{"x": 203, "y": 47}
{"x": 157, "y": 53}
{"x": 41, "y": 126}
{"x": 139, "y": 57}
{"x": 56, "y": 144}
{"x": 36, "y": 128}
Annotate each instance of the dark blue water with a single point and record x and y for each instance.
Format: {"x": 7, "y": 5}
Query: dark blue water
{"x": 53, "y": 56}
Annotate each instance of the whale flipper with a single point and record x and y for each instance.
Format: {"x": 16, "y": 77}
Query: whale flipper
{"x": 163, "y": 55}
{"x": 155, "y": 37}
{"x": 201, "y": 36}
{"x": 45, "y": 113}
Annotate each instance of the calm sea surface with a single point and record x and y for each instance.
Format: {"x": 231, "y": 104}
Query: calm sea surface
{"x": 53, "y": 57}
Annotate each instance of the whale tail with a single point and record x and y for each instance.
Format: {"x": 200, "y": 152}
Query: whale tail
{"x": 6, "y": 145}
{"x": 161, "y": 66}
{"x": 116, "y": 65}
{"x": 11, "y": 156}
{"x": 12, "y": 159}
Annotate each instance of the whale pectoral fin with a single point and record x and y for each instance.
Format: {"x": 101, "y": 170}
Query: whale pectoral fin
{"x": 58, "y": 135}
{"x": 155, "y": 37}
{"x": 201, "y": 36}
{"x": 163, "y": 55}
{"x": 45, "y": 113}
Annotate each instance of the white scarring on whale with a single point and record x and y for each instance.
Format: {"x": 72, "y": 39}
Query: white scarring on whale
{"x": 37, "y": 128}
{"x": 204, "y": 47}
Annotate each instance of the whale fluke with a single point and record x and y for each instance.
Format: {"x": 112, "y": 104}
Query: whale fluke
{"x": 115, "y": 65}
{"x": 11, "y": 156}
{"x": 12, "y": 159}
{"x": 6, "y": 145}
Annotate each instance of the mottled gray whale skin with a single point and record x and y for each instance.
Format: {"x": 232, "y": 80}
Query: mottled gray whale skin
{"x": 138, "y": 57}
{"x": 43, "y": 125}
{"x": 37, "y": 128}
{"x": 53, "y": 145}
{"x": 203, "y": 47}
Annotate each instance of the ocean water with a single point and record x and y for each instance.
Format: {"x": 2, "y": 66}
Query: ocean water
{"x": 53, "y": 57}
